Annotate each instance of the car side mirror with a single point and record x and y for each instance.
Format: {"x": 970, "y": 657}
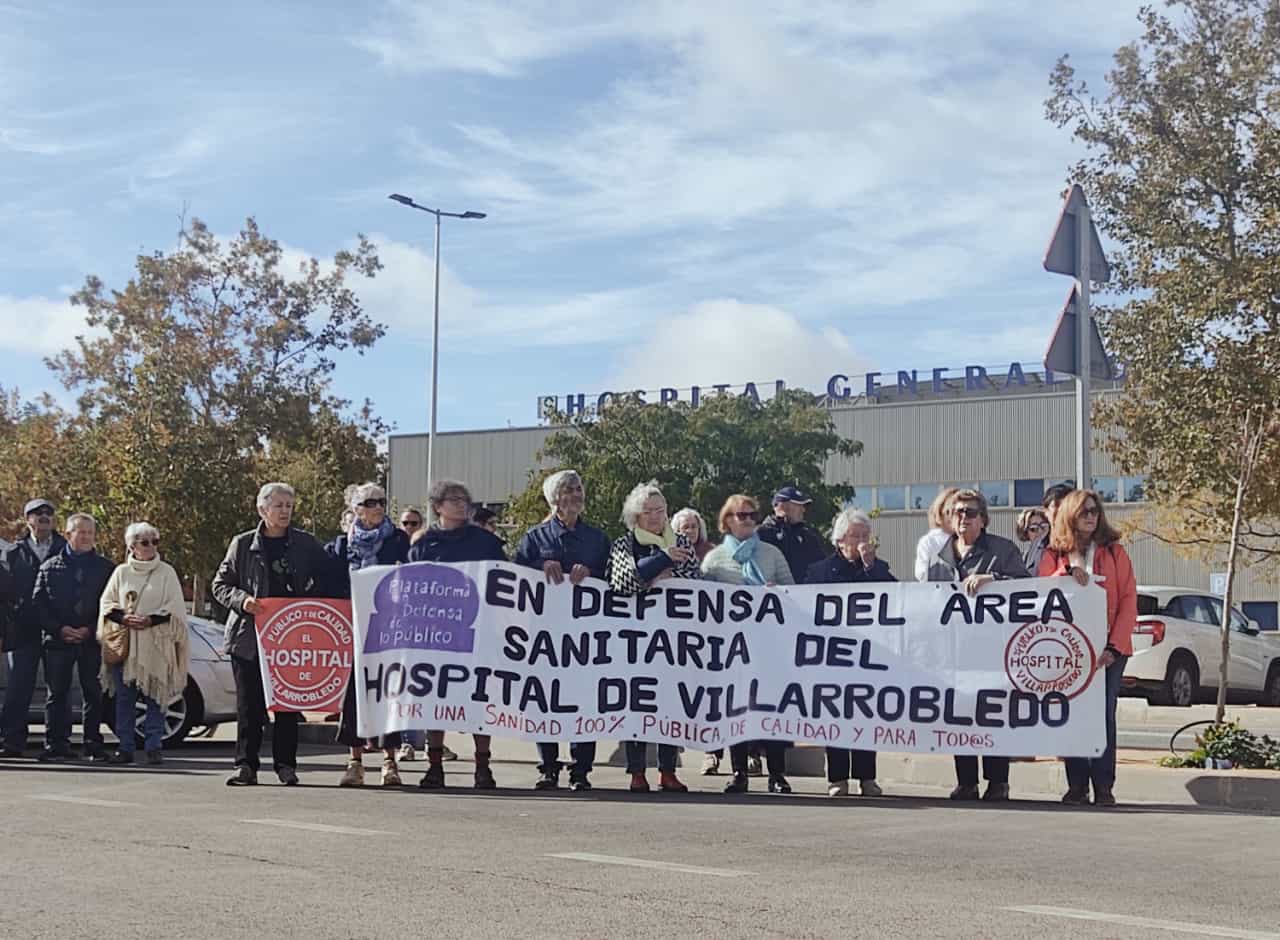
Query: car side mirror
{"x": 1253, "y": 629}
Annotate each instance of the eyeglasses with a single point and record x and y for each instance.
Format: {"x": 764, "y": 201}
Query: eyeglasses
{"x": 1037, "y": 526}
{"x": 1091, "y": 511}
{"x": 373, "y": 503}
{"x": 748, "y": 516}
{"x": 147, "y": 543}
{"x": 42, "y": 511}
{"x": 966, "y": 512}
{"x": 456, "y": 500}
{"x": 410, "y": 523}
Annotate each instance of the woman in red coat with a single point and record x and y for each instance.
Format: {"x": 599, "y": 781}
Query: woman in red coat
{"x": 1082, "y": 545}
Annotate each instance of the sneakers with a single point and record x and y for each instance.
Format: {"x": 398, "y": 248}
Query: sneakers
{"x": 484, "y": 778}
{"x": 433, "y": 779}
{"x": 120, "y": 757}
{"x": 668, "y": 782}
{"x": 754, "y": 767}
{"x": 1076, "y": 796}
{"x": 390, "y": 773}
{"x": 869, "y": 787}
{"x": 965, "y": 792}
{"x": 996, "y": 793}
{"x": 406, "y": 753}
{"x": 639, "y": 783}
{"x": 1104, "y": 798}
{"x": 839, "y": 788}
{"x": 778, "y": 784}
{"x": 288, "y": 776}
{"x": 245, "y": 776}
{"x": 447, "y": 754}
{"x": 353, "y": 776}
{"x": 55, "y": 755}
{"x": 710, "y": 765}
{"x": 155, "y": 758}
{"x": 12, "y": 752}
{"x": 96, "y": 754}
{"x": 550, "y": 780}
{"x": 579, "y": 783}
{"x": 737, "y": 784}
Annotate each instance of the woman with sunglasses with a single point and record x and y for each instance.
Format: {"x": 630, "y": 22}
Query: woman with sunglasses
{"x": 371, "y": 540}
{"x": 1031, "y": 527}
{"x": 742, "y": 558}
{"x": 1083, "y": 545}
{"x": 974, "y": 558}
{"x": 144, "y": 597}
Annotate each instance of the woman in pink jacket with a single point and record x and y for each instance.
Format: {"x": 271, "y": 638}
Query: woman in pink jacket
{"x": 1082, "y": 545}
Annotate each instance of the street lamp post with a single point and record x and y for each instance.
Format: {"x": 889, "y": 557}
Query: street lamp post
{"x": 435, "y": 328}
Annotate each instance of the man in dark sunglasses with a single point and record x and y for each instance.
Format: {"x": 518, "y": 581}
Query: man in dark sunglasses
{"x": 23, "y": 641}
{"x": 411, "y": 521}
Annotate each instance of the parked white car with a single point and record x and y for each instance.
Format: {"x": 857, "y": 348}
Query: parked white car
{"x": 1177, "y": 647}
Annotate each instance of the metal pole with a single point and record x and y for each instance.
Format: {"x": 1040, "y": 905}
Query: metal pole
{"x": 1084, "y": 330}
{"x": 435, "y": 373}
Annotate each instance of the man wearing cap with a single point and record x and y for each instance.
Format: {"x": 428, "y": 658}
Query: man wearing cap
{"x": 786, "y": 530}
{"x": 23, "y": 640}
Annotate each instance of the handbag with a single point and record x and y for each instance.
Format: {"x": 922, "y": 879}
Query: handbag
{"x": 115, "y": 644}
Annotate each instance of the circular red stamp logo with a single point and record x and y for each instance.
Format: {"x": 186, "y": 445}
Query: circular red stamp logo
{"x": 307, "y": 650}
{"x": 1050, "y": 657}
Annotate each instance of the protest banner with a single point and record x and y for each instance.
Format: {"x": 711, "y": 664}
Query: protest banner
{"x": 305, "y": 652}
{"x": 492, "y": 648}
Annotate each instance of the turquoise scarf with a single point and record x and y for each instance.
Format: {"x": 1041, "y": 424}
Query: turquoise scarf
{"x": 744, "y": 553}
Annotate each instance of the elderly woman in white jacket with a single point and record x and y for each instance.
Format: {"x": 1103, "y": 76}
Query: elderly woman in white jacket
{"x": 144, "y": 598}
{"x": 743, "y": 559}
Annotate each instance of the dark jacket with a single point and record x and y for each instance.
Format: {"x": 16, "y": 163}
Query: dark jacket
{"x": 68, "y": 589}
{"x": 837, "y": 570}
{"x": 799, "y": 543}
{"x": 632, "y": 566}
{"x": 554, "y": 541}
{"x": 18, "y": 568}
{"x": 991, "y": 554}
{"x": 394, "y": 550}
{"x": 465, "y": 543}
{"x": 243, "y": 574}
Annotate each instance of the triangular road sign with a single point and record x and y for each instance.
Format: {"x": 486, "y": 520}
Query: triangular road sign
{"x": 1061, "y": 356}
{"x": 1061, "y": 256}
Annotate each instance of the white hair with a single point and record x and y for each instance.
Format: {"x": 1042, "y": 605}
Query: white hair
{"x": 553, "y": 484}
{"x": 633, "y": 505}
{"x": 365, "y": 491}
{"x": 269, "y": 490}
{"x": 847, "y": 520}
{"x": 77, "y": 519}
{"x": 138, "y": 530}
{"x": 689, "y": 512}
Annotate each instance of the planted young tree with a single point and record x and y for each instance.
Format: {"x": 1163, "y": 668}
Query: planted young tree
{"x": 1181, "y": 171}
{"x": 699, "y": 456}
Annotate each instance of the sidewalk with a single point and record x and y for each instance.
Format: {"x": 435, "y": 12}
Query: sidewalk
{"x": 1139, "y": 780}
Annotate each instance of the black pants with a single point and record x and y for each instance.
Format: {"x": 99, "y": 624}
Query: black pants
{"x": 251, "y": 716}
{"x": 995, "y": 769}
{"x": 636, "y": 757}
{"x": 347, "y": 725}
{"x": 775, "y": 756}
{"x": 844, "y": 764}
{"x": 582, "y": 752}
{"x": 86, "y": 659}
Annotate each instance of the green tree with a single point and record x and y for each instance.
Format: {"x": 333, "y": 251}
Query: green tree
{"x": 699, "y": 456}
{"x": 1182, "y": 173}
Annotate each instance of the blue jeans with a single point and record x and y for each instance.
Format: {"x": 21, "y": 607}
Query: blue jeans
{"x": 24, "y": 663}
{"x": 1100, "y": 771}
{"x": 126, "y": 703}
{"x": 637, "y": 757}
{"x": 59, "y": 661}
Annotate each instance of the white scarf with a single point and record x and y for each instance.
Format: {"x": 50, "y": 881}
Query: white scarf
{"x": 158, "y": 656}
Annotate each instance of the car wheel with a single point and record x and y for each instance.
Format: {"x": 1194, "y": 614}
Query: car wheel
{"x": 1271, "y": 691}
{"x": 180, "y": 716}
{"x": 1181, "y": 683}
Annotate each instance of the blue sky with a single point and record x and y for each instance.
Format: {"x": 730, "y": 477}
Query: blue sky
{"x": 678, "y": 193}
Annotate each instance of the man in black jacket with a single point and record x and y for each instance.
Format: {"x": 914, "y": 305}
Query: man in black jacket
{"x": 23, "y": 639}
{"x": 272, "y": 560}
{"x": 787, "y": 530}
{"x": 66, "y": 596}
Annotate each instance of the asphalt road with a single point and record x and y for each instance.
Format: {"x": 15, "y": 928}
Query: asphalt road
{"x": 133, "y": 852}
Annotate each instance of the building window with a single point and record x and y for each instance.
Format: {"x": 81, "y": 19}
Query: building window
{"x": 1028, "y": 492}
{"x": 996, "y": 492}
{"x": 891, "y": 498}
{"x": 1135, "y": 489}
{"x": 1108, "y": 488}
{"x": 859, "y": 500}
{"x": 921, "y": 495}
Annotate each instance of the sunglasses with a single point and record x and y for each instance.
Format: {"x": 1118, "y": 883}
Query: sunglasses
{"x": 1091, "y": 511}
{"x": 745, "y": 516}
{"x": 373, "y": 503}
{"x": 1037, "y": 526}
{"x": 42, "y": 511}
{"x": 410, "y": 523}
{"x": 147, "y": 543}
{"x": 967, "y": 512}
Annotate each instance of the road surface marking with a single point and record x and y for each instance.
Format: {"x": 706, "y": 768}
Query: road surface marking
{"x": 82, "y": 800}
{"x": 1177, "y": 926}
{"x": 648, "y": 863}
{"x": 316, "y": 827}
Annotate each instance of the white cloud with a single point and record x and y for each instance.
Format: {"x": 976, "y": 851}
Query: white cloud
{"x": 40, "y": 325}
{"x": 726, "y": 340}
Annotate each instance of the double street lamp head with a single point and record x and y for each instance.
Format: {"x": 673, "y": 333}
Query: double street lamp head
{"x": 407, "y": 201}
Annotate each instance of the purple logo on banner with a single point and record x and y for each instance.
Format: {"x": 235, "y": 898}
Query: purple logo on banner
{"x": 423, "y": 607}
